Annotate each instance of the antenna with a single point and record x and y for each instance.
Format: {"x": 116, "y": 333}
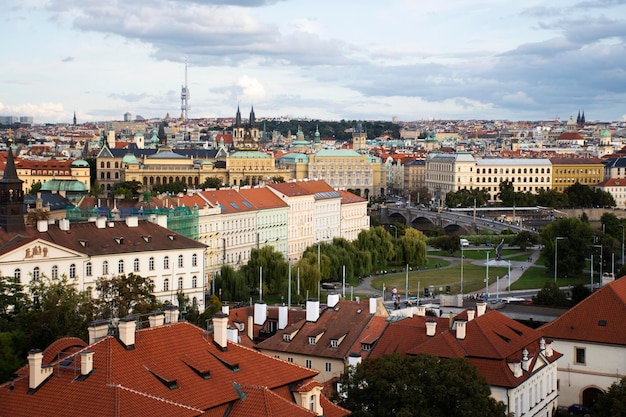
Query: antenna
{"x": 184, "y": 97}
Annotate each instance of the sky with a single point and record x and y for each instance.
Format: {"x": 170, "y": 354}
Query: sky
{"x": 318, "y": 59}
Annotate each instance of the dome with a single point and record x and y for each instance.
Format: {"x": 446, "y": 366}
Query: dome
{"x": 129, "y": 159}
{"x": 605, "y": 134}
{"x": 80, "y": 163}
{"x": 63, "y": 185}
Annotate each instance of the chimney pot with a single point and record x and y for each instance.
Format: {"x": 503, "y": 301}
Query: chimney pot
{"x": 431, "y": 327}
{"x": 481, "y": 308}
{"x": 86, "y": 362}
{"x": 126, "y": 328}
{"x": 461, "y": 329}
{"x": 220, "y": 325}
{"x": 470, "y": 315}
{"x": 312, "y": 310}
{"x": 156, "y": 318}
{"x": 260, "y": 313}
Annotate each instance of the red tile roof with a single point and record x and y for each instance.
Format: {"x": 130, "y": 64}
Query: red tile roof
{"x": 230, "y": 201}
{"x": 403, "y": 335}
{"x": 348, "y": 198}
{"x": 262, "y": 198}
{"x": 130, "y": 382}
{"x": 599, "y": 318}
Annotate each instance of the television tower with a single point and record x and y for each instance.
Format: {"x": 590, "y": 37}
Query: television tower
{"x": 184, "y": 97}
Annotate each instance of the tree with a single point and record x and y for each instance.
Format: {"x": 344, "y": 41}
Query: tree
{"x": 34, "y": 215}
{"x": 507, "y": 193}
{"x": 211, "y": 182}
{"x": 128, "y": 189}
{"x": 613, "y": 403}
{"x": 551, "y": 295}
{"x": 273, "y": 266}
{"x": 35, "y": 188}
{"x": 12, "y": 297}
{"x": 423, "y": 385}
{"x": 125, "y": 294}
{"x": 448, "y": 243}
{"x": 378, "y": 242}
{"x": 524, "y": 239}
{"x": 572, "y": 250}
{"x": 231, "y": 285}
{"x": 172, "y": 187}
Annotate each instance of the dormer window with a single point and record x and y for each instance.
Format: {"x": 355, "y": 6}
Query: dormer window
{"x": 286, "y": 337}
{"x": 312, "y": 340}
{"x": 334, "y": 343}
{"x": 366, "y": 346}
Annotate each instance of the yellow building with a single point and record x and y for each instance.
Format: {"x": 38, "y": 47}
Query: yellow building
{"x": 569, "y": 171}
{"x": 74, "y": 173}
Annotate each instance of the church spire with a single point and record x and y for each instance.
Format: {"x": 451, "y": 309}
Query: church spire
{"x": 238, "y": 117}
{"x": 11, "y": 197}
{"x": 74, "y": 117}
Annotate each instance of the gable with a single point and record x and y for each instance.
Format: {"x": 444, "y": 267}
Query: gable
{"x": 37, "y": 250}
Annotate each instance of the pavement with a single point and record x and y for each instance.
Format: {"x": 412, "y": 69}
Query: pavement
{"x": 497, "y": 286}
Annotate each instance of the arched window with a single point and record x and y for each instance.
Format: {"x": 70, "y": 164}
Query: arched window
{"x": 108, "y": 165}
{"x": 88, "y": 269}
{"x": 166, "y": 262}
{"x": 105, "y": 268}
{"x": 166, "y": 284}
{"x": 194, "y": 260}
{"x": 17, "y": 274}
{"x": 102, "y": 164}
{"x": 180, "y": 283}
{"x": 55, "y": 272}
{"x": 312, "y": 403}
{"x": 180, "y": 261}
{"x": 151, "y": 263}
{"x": 120, "y": 266}
{"x": 194, "y": 282}
{"x": 136, "y": 265}
{"x": 36, "y": 273}
{"x": 72, "y": 271}
{"x": 117, "y": 165}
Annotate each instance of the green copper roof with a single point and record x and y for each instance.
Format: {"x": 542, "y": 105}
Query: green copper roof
{"x": 63, "y": 185}
{"x": 80, "y": 163}
{"x": 338, "y": 152}
{"x": 295, "y": 157}
{"x": 249, "y": 155}
{"x": 130, "y": 159}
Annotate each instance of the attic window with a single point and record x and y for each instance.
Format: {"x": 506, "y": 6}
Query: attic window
{"x": 312, "y": 340}
{"x": 201, "y": 372}
{"x": 366, "y": 346}
{"x": 119, "y": 240}
{"x": 147, "y": 238}
{"x": 84, "y": 243}
{"x": 169, "y": 382}
{"x": 602, "y": 323}
{"x": 171, "y": 237}
{"x": 287, "y": 337}
{"x": 233, "y": 366}
{"x": 334, "y": 343}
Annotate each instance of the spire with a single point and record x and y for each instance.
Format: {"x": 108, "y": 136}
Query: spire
{"x": 578, "y": 118}
{"x": 238, "y": 117}
{"x": 10, "y": 173}
{"x": 582, "y": 119}
{"x": 11, "y": 197}
{"x": 74, "y": 117}
{"x": 252, "y": 118}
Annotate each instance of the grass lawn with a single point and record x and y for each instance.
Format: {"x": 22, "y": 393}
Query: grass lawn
{"x": 480, "y": 253}
{"x": 473, "y": 278}
{"x": 536, "y": 277}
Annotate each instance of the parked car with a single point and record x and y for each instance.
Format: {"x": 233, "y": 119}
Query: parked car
{"x": 578, "y": 410}
{"x": 412, "y": 301}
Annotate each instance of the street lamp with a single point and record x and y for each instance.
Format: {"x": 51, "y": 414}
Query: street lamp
{"x": 622, "y": 226}
{"x": 461, "y": 266}
{"x": 556, "y": 245}
{"x": 395, "y": 229}
{"x": 600, "y": 279}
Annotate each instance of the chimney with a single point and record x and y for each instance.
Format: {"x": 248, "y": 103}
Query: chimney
{"x": 373, "y": 305}
{"x": 232, "y": 335}
{"x": 156, "y": 318}
{"x": 42, "y": 226}
{"x": 470, "y": 315}
{"x": 132, "y": 221}
{"x": 450, "y": 319}
{"x": 171, "y": 314}
{"x": 162, "y": 220}
{"x": 97, "y": 330}
{"x": 283, "y": 317}
{"x": 220, "y": 324}
{"x": 481, "y": 307}
{"x": 101, "y": 222}
{"x": 260, "y": 313}
{"x": 460, "y": 329}
{"x": 431, "y": 327}
{"x": 333, "y": 299}
{"x": 37, "y": 374}
{"x": 64, "y": 224}
{"x": 225, "y": 309}
{"x": 354, "y": 359}
{"x": 126, "y": 328}
{"x": 525, "y": 360}
{"x": 312, "y": 310}
{"x": 420, "y": 311}
{"x": 250, "y": 327}
{"x": 86, "y": 362}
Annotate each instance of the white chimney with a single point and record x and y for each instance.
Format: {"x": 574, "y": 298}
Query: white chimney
{"x": 481, "y": 308}
{"x": 312, "y": 310}
{"x": 470, "y": 315}
{"x": 101, "y": 222}
{"x": 260, "y": 313}
{"x": 461, "y": 329}
{"x": 373, "y": 305}
{"x": 64, "y": 224}
{"x": 525, "y": 360}
{"x": 549, "y": 352}
{"x": 542, "y": 344}
{"x": 232, "y": 335}
{"x": 132, "y": 221}
{"x": 162, "y": 220}
{"x": 420, "y": 311}
{"x": 220, "y": 335}
{"x": 42, "y": 226}
{"x": 171, "y": 314}
{"x": 86, "y": 362}
{"x": 37, "y": 373}
{"x": 250, "y": 327}
{"x": 225, "y": 309}
{"x": 283, "y": 317}
{"x": 354, "y": 359}
{"x": 97, "y": 330}
{"x": 126, "y": 328}
{"x": 156, "y": 318}
{"x": 111, "y": 224}
{"x": 431, "y": 327}
{"x": 333, "y": 299}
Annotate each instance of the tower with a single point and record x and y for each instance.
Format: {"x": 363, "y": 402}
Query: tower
{"x": 359, "y": 137}
{"x": 184, "y": 97}
{"x": 11, "y": 198}
{"x": 245, "y": 136}
{"x": 74, "y": 118}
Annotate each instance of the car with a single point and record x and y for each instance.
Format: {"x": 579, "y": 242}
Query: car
{"x": 412, "y": 301}
{"x": 578, "y": 410}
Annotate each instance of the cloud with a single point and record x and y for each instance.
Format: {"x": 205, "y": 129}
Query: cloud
{"x": 129, "y": 97}
{"x": 250, "y": 89}
{"x": 67, "y": 59}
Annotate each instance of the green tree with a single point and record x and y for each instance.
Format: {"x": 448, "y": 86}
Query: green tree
{"x": 274, "y": 269}
{"x": 12, "y": 298}
{"x": 379, "y": 243}
{"x": 613, "y": 403}
{"x": 96, "y": 189}
{"x": 211, "y": 182}
{"x": 172, "y": 187}
{"x": 572, "y": 249}
{"x": 422, "y": 385}
{"x": 551, "y": 295}
{"x": 128, "y": 189}
{"x": 123, "y": 295}
{"x": 35, "y": 188}
{"x": 413, "y": 247}
{"x": 507, "y": 193}
{"x": 448, "y": 243}
{"x": 524, "y": 240}
{"x": 231, "y": 285}
{"x": 579, "y": 293}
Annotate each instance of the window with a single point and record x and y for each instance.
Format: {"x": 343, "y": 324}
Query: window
{"x": 328, "y": 367}
{"x": 334, "y": 343}
{"x": 166, "y": 262}
{"x": 312, "y": 403}
{"x": 36, "y": 273}
{"x": 180, "y": 283}
{"x": 136, "y": 265}
{"x": 120, "y": 266}
{"x": 166, "y": 284}
{"x": 55, "y": 272}
{"x": 151, "y": 264}
{"x": 105, "y": 268}
{"x": 194, "y": 282}
{"x": 72, "y": 271}
{"x": 308, "y": 363}
{"x": 180, "y": 261}
{"x": 194, "y": 260}
{"x": 580, "y": 355}
{"x": 88, "y": 269}
{"x": 290, "y": 360}
{"x": 17, "y": 274}
{"x": 312, "y": 340}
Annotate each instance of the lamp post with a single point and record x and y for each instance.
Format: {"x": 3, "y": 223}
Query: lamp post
{"x": 461, "y": 268}
{"x": 395, "y": 229}
{"x": 556, "y": 252}
{"x": 600, "y": 278}
{"x": 622, "y": 226}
